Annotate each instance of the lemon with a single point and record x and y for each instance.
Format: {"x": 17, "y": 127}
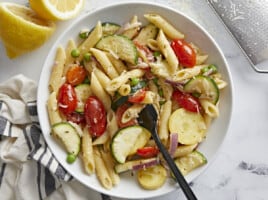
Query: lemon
{"x": 21, "y": 30}
{"x": 57, "y": 9}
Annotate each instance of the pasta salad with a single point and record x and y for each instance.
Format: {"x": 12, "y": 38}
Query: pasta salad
{"x": 99, "y": 86}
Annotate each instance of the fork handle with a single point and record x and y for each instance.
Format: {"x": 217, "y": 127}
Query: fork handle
{"x": 178, "y": 175}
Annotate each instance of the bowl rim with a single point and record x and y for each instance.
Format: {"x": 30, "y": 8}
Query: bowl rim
{"x": 161, "y": 6}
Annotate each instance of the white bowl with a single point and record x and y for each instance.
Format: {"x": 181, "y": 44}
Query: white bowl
{"x": 120, "y": 13}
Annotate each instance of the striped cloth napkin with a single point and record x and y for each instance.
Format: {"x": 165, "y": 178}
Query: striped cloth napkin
{"x": 28, "y": 170}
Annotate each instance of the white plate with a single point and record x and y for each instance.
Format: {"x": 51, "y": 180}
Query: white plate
{"x": 121, "y": 13}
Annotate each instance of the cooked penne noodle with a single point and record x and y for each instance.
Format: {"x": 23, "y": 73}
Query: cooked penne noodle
{"x": 220, "y": 83}
{"x": 69, "y": 58}
{"x": 57, "y": 70}
{"x": 105, "y": 62}
{"x": 92, "y": 39}
{"x": 124, "y": 90}
{"x": 167, "y": 51}
{"x": 117, "y": 63}
{"x": 210, "y": 109}
{"x": 132, "y": 112}
{"x": 163, "y": 130}
{"x": 187, "y": 73}
{"x": 110, "y": 164}
{"x": 52, "y": 108}
{"x": 101, "y": 170}
{"x": 98, "y": 90}
{"x": 123, "y": 78}
{"x": 87, "y": 152}
{"x": 112, "y": 126}
{"x": 166, "y": 88}
{"x": 163, "y": 24}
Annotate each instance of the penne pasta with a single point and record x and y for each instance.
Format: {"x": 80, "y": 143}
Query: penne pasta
{"x": 123, "y": 78}
{"x": 52, "y": 108}
{"x": 87, "y": 152}
{"x": 57, "y": 70}
{"x": 163, "y": 130}
{"x": 163, "y": 24}
{"x": 101, "y": 170}
{"x": 104, "y": 62}
{"x": 167, "y": 51}
{"x": 210, "y": 109}
{"x": 69, "y": 58}
{"x": 98, "y": 90}
{"x": 90, "y": 42}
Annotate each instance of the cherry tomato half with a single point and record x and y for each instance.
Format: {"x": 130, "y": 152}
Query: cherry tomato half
{"x": 67, "y": 100}
{"x": 147, "y": 152}
{"x": 184, "y": 52}
{"x": 138, "y": 96}
{"x": 76, "y": 75}
{"x": 119, "y": 113}
{"x": 95, "y": 116}
{"x": 186, "y": 101}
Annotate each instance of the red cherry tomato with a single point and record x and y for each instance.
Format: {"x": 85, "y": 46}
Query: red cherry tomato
{"x": 67, "y": 100}
{"x": 75, "y": 75}
{"x": 184, "y": 52}
{"x": 186, "y": 101}
{"x": 147, "y": 152}
{"x": 119, "y": 113}
{"x": 95, "y": 116}
{"x": 138, "y": 96}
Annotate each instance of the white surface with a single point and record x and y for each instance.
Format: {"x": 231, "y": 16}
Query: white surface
{"x": 119, "y": 14}
{"x": 241, "y": 168}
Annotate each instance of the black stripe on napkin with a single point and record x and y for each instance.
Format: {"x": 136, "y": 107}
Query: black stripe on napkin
{"x": 3, "y": 124}
{"x": 3, "y": 167}
{"x": 1, "y": 102}
{"x": 50, "y": 184}
{"x": 32, "y": 108}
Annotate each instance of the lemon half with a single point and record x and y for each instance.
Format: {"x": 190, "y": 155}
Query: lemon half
{"x": 21, "y": 30}
{"x": 57, "y": 9}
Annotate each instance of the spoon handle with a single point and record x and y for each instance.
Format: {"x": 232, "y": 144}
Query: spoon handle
{"x": 180, "y": 178}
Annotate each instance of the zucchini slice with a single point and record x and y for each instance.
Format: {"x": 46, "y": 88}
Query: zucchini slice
{"x": 123, "y": 47}
{"x": 153, "y": 177}
{"x": 190, "y": 162}
{"x": 83, "y": 91}
{"x": 189, "y": 126}
{"x": 67, "y": 134}
{"x": 127, "y": 140}
{"x": 205, "y": 86}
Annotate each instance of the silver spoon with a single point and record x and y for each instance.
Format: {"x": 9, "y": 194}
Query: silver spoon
{"x": 148, "y": 119}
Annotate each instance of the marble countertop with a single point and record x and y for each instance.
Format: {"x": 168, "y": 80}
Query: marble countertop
{"x": 240, "y": 171}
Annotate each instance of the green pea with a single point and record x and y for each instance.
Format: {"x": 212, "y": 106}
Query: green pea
{"x": 83, "y": 34}
{"x": 75, "y": 53}
{"x": 209, "y": 69}
{"x": 87, "y": 56}
{"x": 134, "y": 81}
{"x": 70, "y": 158}
{"x": 156, "y": 53}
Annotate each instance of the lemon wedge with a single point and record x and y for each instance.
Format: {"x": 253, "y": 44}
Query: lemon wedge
{"x": 21, "y": 30}
{"x": 57, "y": 10}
